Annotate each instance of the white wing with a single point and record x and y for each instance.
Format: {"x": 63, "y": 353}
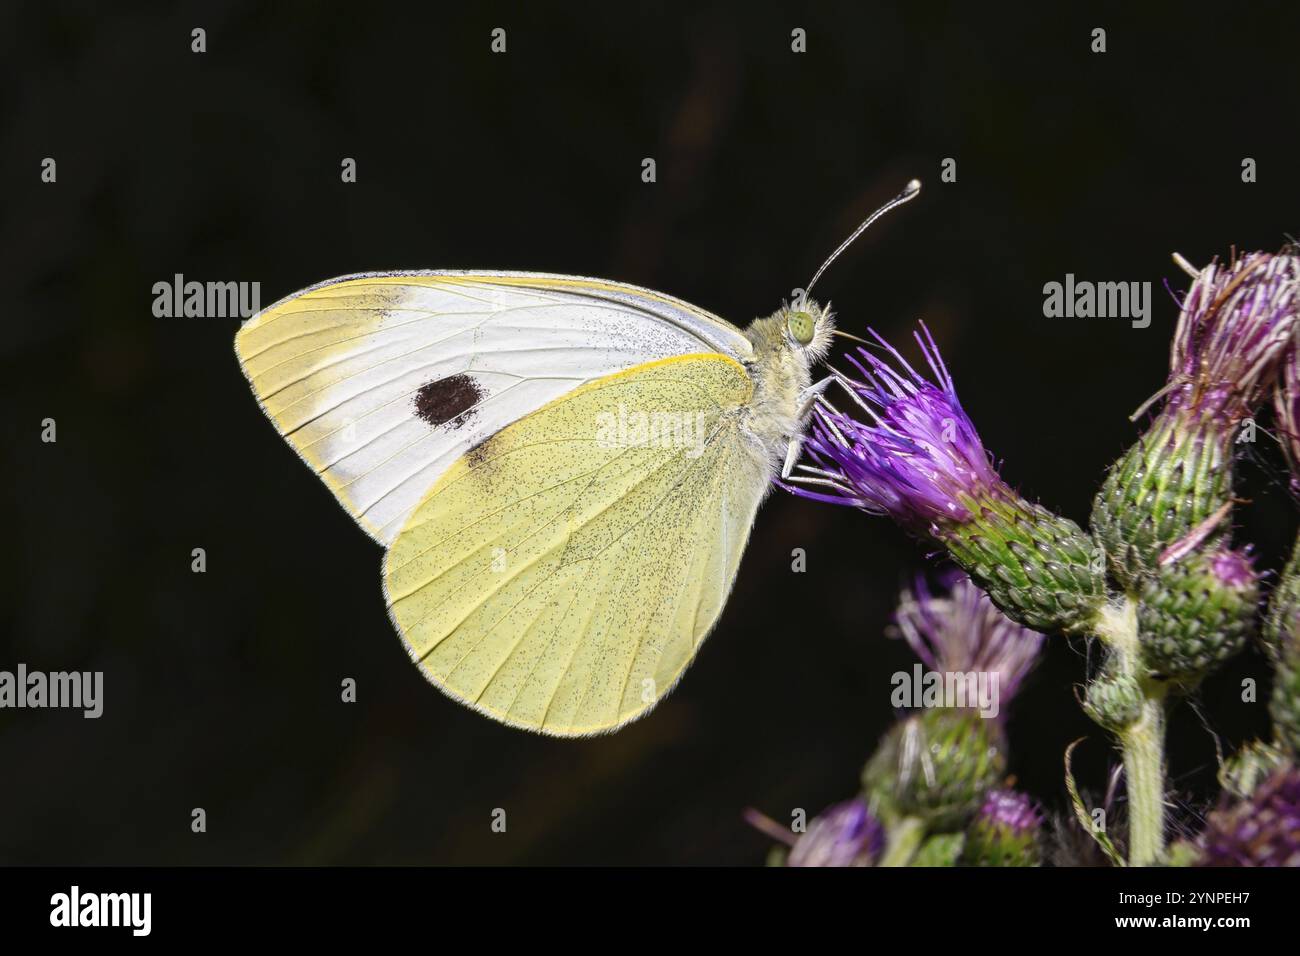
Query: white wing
{"x": 381, "y": 381}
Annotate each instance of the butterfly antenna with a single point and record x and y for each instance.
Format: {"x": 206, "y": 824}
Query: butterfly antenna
{"x": 909, "y": 192}
{"x": 846, "y": 335}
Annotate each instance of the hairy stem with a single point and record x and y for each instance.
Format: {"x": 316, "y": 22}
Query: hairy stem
{"x": 1144, "y": 774}
{"x": 1142, "y": 742}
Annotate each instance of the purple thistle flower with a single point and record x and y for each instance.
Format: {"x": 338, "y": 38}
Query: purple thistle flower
{"x": 1011, "y": 810}
{"x": 1235, "y": 569}
{"x": 1236, "y": 322}
{"x": 1005, "y": 831}
{"x": 845, "y": 834}
{"x": 919, "y": 460}
{"x": 1262, "y": 830}
{"x": 963, "y": 632}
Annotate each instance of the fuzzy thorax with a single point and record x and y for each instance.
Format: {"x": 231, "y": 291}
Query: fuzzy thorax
{"x": 782, "y": 370}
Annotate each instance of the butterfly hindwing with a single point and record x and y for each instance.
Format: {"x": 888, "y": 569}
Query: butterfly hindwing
{"x": 561, "y": 575}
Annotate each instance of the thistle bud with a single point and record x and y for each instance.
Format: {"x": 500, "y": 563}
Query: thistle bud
{"x": 1233, "y": 331}
{"x": 1005, "y": 832}
{"x": 1172, "y": 481}
{"x": 1113, "y": 699}
{"x": 937, "y": 765}
{"x": 920, "y": 461}
{"x": 1196, "y": 613}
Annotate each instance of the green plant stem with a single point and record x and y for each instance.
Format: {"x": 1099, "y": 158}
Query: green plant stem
{"x": 1142, "y": 742}
{"x": 904, "y": 838}
{"x": 1144, "y": 773}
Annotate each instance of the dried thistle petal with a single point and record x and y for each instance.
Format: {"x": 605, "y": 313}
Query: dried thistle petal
{"x": 1236, "y": 323}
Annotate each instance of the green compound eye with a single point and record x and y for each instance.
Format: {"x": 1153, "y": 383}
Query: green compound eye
{"x": 801, "y": 326}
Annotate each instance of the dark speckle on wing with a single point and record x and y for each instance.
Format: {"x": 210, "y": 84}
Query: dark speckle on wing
{"x": 446, "y": 399}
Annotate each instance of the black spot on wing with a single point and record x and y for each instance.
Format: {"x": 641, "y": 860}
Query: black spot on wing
{"x": 445, "y": 399}
{"x": 481, "y": 453}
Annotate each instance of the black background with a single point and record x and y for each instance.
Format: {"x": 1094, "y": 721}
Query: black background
{"x": 222, "y": 689}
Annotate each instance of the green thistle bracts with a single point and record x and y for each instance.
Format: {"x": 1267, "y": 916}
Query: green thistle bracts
{"x": 987, "y": 845}
{"x": 1173, "y": 479}
{"x": 1281, "y": 640}
{"x": 1040, "y": 569}
{"x": 1284, "y": 705}
{"x": 1113, "y": 699}
{"x": 1241, "y": 773}
{"x": 1155, "y": 579}
{"x": 1197, "y": 613}
{"x": 936, "y": 765}
{"x": 1282, "y": 623}
{"x": 942, "y": 849}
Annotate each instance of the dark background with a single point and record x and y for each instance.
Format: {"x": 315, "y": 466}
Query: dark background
{"x": 222, "y": 689}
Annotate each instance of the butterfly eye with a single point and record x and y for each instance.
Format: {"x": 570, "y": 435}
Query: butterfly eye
{"x": 801, "y": 326}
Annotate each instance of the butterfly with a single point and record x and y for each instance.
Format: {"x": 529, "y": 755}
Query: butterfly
{"x": 563, "y": 471}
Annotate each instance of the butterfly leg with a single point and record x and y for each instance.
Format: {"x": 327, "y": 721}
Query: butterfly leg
{"x": 791, "y": 456}
{"x": 807, "y": 398}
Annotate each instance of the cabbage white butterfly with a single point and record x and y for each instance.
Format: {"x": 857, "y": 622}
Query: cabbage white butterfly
{"x": 563, "y": 471}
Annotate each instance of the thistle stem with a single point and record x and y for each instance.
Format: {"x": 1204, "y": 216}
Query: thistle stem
{"x": 1144, "y": 772}
{"x": 1142, "y": 742}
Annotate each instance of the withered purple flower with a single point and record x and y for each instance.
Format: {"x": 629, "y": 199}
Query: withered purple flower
{"x": 1261, "y": 830}
{"x": 1236, "y": 323}
{"x": 1235, "y": 327}
{"x": 962, "y": 631}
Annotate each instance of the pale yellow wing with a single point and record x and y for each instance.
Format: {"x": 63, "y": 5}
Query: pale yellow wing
{"x": 561, "y": 576}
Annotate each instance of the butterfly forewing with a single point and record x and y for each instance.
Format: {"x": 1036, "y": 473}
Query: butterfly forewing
{"x": 381, "y": 381}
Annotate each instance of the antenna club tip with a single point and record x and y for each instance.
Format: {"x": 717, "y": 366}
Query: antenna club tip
{"x": 913, "y": 187}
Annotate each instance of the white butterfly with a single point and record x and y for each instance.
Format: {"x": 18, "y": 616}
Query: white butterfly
{"x": 564, "y": 471}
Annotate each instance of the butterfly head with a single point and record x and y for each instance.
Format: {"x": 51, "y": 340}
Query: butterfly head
{"x": 808, "y": 327}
